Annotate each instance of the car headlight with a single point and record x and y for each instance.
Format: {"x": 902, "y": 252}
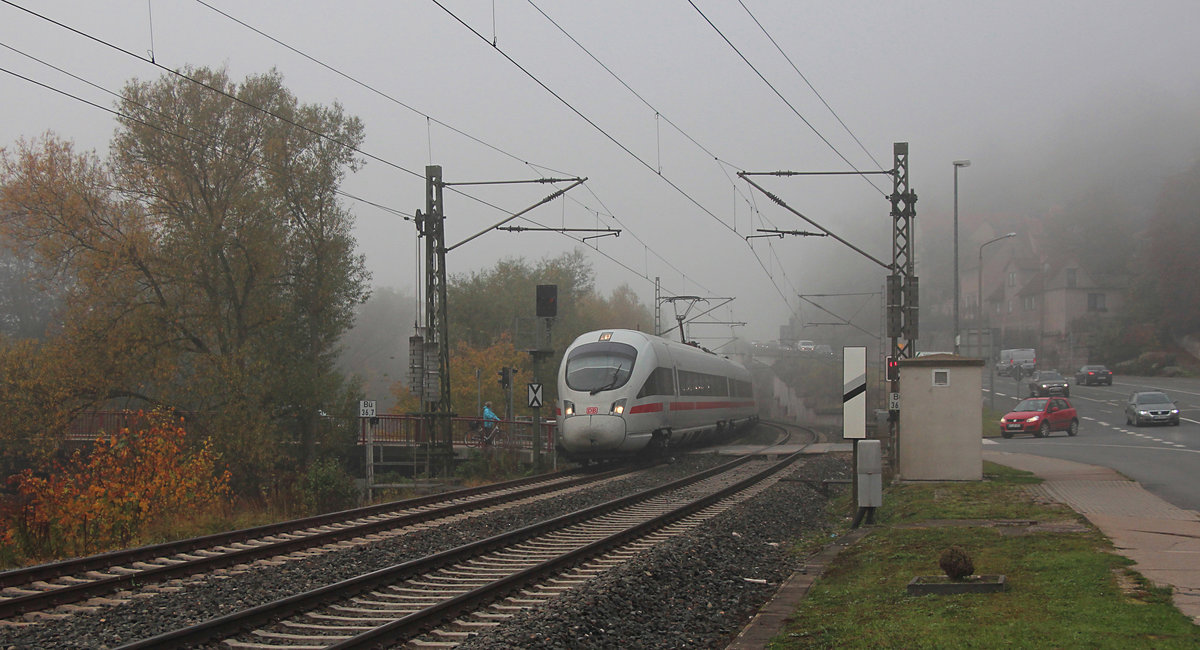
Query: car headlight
{"x": 1174, "y": 411}
{"x": 1143, "y": 412}
{"x": 568, "y": 407}
{"x": 1034, "y": 418}
{"x": 618, "y": 407}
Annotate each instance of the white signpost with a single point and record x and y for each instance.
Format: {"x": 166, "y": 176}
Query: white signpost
{"x": 854, "y": 393}
{"x": 366, "y": 408}
{"x": 535, "y": 395}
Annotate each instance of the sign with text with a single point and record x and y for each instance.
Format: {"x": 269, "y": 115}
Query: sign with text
{"x": 366, "y": 408}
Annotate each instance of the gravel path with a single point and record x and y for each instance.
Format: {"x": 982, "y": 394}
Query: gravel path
{"x": 690, "y": 594}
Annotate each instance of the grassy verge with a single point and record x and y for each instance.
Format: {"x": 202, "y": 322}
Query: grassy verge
{"x": 1066, "y": 589}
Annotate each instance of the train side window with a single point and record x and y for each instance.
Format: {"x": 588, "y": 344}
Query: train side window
{"x": 660, "y": 382}
{"x": 701, "y": 383}
{"x": 666, "y": 381}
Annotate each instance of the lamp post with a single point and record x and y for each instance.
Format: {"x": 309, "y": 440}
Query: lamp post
{"x": 957, "y": 297}
{"x": 979, "y": 324}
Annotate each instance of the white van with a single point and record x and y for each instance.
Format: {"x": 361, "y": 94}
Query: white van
{"x": 1025, "y": 358}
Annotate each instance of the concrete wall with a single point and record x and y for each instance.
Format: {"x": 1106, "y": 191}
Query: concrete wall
{"x": 940, "y": 419}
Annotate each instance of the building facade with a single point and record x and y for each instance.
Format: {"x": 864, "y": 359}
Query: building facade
{"x": 1032, "y": 299}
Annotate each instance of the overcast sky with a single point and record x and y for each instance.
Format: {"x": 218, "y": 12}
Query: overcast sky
{"x": 1047, "y": 99}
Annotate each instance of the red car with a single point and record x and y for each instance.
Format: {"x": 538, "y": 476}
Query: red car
{"x": 1040, "y": 416}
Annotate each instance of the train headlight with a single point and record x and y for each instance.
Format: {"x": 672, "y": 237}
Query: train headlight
{"x": 618, "y": 407}
{"x": 568, "y": 407}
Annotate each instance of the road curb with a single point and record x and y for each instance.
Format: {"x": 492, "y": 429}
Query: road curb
{"x": 775, "y": 614}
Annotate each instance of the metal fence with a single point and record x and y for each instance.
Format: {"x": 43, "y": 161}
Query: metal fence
{"x": 400, "y": 430}
{"x": 411, "y": 430}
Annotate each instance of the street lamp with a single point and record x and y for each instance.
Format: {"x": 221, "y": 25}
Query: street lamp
{"x": 979, "y": 324}
{"x": 957, "y": 297}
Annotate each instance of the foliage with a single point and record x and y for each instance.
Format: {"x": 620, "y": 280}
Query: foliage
{"x": 1116, "y": 339}
{"x": 491, "y": 465}
{"x": 376, "y": 348}
{"x": 208, "y": 263}
{"x": 327, "y": 487}
{"x": 107, "y": 498}
{"x": 1097, "y": 226}
{"x": 1169, "y": 286}
{"x": 492, "y": 324}
{"x": 27, "y": 302}
{"x": 955, "y": 562}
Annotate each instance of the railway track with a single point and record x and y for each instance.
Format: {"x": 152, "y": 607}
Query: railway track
{"x": 46, "y": 586}
{"x": 475, "y": 585}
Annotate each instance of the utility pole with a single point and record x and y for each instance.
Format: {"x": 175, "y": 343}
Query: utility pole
{"x": 902, "y": 283}
{"x": 431, "y": 226}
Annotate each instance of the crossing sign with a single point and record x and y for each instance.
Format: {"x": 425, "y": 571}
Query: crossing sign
{"x": 535, "y": 395}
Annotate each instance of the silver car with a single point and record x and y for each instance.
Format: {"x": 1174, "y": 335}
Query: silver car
{"x": 1149, "y": 407}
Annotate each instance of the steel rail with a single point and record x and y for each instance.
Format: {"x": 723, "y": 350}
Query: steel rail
{"x": 418, "y": 622}
{"x": 501, "y": 492}
{"x": 228, "y": 625}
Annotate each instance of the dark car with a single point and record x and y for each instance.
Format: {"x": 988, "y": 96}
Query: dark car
{"x": 1088, "y": 375}
{"x": 1151, "y": 407}
{"x": 1048, "y": 382}
{"x": 1040, "y": 416}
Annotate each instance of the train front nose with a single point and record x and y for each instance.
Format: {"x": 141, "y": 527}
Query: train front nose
{"x": 593, "y": 433}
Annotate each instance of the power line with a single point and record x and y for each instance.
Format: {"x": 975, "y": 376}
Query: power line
{"x": 239, "y": 100}
{"x": 610, "y": 137}
{"x": 721, "y": 164}
{"x": 378, "y": 92}
{"x": 583, "y": 117}
{"x": 156, "y": 127}
{"x": 809, "y": 83}
{"x": 537, "y": 167}
{"x": 781, "y": 97}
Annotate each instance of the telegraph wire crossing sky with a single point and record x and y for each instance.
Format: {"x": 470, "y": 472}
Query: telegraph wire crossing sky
{"x": 660, "y": 105}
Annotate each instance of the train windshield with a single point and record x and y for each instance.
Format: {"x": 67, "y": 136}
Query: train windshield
{"x": 601, "y": 366}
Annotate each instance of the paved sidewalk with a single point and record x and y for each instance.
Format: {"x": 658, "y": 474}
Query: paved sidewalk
{"x": 1163, "y": 540}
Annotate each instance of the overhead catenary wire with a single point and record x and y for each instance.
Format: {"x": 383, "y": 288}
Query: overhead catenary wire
{"x": 132, "y": 118}
{"x": 537, "y": 167}
{"x": 808, "y": 83}
{"x": 781, "y": 97}
{"x": 313, "y": 132}
{"x": 211, "y": 88}
{"x": 611, "y": 138}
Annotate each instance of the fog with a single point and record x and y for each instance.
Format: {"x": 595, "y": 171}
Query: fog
{"x": 1050, "y": 101}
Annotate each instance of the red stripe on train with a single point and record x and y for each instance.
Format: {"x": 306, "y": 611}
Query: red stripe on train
{"x": 696, "y": 406}
{"x": 647, "y": 408}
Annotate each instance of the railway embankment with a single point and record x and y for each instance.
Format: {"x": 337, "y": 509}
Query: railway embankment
{"x": 1068, "y": 583}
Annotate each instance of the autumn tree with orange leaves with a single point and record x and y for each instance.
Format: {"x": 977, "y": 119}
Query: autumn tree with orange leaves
{"x": 109, "y": 497}
{"x": 207, "y": 265}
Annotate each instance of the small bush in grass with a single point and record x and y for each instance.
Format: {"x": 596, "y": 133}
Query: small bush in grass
{"x": 327, "y": 487}
{"x": 956, "y": 563}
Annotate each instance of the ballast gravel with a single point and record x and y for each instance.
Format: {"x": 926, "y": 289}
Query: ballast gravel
{"x": 694, "y": 591}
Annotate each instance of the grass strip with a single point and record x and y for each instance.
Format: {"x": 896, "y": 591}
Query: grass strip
{"x": 1067, "y": 588}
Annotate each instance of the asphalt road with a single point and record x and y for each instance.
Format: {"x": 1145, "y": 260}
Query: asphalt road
{"x": 1164, "y": 459}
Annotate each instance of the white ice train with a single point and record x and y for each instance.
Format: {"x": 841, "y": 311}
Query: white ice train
{"x": 623, "y": 393}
